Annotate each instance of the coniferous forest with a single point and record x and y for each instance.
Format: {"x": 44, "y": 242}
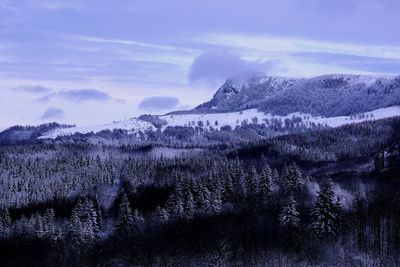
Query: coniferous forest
{"x": 321, "y": 197}
{"x": 169, "y": 133}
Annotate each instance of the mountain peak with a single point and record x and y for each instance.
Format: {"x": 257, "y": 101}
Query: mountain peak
{"x": 239, "y": 90}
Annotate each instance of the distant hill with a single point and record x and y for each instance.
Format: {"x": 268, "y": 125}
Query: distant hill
{"x": 24, "y": 133}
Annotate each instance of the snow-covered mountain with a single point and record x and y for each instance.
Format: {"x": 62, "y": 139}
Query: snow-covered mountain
{"x": 236, "y": 95}
{"x": 327, "y": 95}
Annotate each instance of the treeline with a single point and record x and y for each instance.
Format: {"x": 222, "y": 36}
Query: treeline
{"x": 26, "y": 134}
{"x": 365, "y": 139}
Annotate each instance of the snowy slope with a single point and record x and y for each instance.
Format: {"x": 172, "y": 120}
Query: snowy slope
{"x": 214, "y": 120}
{"x": 133, "y": 125}
{"x": 232, "y": 119}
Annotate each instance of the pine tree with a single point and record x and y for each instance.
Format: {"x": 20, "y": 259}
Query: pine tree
{"x": 291, "y": 178}
{"x": 189, "y": 206}
{"x": 266, "y": 184}
{"x": 138, "y": 222}
{"x": 205, "y": 199}
{"x": 161, "y": 215}
{"x": 252, "y": 181}
{"x": 228, "y": 189}
{"x": 290, "y": 217}
{"x": 325, "y": 213}
{"x": 125, "y": 217}
{"x": 289, "y": 220}
{"x": 238, "y": 181}
{"x": 49, "y": 224}
{"x": 83, "y": 223}
{"x": 74, "y": 226}
{"x": 179, "y": 210}
{"x": 89, "y": 220}
{"x": 99, "y": 214}
{"x": 175, "y": 202}
{"x": 215, "y": 202}
{"x": 40, "y": 233}
{"x": 5, "y": 220}
{"x": 210, "y": 182}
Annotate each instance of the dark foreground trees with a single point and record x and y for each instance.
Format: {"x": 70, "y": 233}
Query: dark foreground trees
{"x": 81, "y": 203}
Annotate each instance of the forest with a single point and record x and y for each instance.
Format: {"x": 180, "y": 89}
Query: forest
{"x": 320, "y": 197}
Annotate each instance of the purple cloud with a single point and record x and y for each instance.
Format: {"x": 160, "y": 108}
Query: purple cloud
{"x": 79, "y": 96}
{"x": 82, "y": 95}
{"x": 37, "y": 89}
{"x": 53, "y": 113}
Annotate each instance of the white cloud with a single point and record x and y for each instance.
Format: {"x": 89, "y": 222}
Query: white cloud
{"x": 94, "y": 39}
{"x": 269, "y": 46}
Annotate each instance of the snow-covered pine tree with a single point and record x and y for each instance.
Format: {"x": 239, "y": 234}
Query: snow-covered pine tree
{"x": 179, "y": 210}
{"x": 99, "y": 213}
{"x": 291, "y": 178}
{"x": 5, "y": 220}
{"x": 125, "y": 217}
{"x": 266, "y": 183}
{"x": 175, "y": 202}
{"x": 74, "y": 226}
{"x": 138, "y": 222}
{"x": 252, "y": 181}
{"x": 210, "y": 182}
{"x": 228, "y": 189}
{"x": 215, "y": 202}
{"x": 204, "y": 199}
{"x": 290, "y": 217}
{"x": 49, "y": 223}
{"x": 325, "y": 213}
{"x": 89, "y": 216}
{"x": 39, "y": 229}
{"x": 161, "y": 215}
{"x": 83, "y": 223}
{"x": 289, "y": 221}
{"x": 189, "y": 206}
{"x": 238, "y": 180}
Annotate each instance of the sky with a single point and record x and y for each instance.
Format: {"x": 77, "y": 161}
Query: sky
{"x": 94, "y": 61}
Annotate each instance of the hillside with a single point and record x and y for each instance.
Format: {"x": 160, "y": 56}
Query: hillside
{"x": 327, "y": 95}
{"x": 216, "y": 121}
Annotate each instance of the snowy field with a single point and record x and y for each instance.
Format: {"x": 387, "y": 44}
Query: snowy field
{"x": 133, "y": 125}
{"x": 217, "y": 120}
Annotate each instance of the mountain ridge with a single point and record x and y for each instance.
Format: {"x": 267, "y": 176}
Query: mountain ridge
{"x": 285, "y": 95}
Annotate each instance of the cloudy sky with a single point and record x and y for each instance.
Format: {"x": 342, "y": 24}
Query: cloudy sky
{"x": 95, "y": 61}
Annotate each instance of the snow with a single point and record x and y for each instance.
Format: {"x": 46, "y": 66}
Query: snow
{"x": 377, "y": 114}
{"x": 234, "y": 119}
{"x": 133, "y": 125}
{"x": 231, "y": 119}
{"x": 352, "y": 79}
